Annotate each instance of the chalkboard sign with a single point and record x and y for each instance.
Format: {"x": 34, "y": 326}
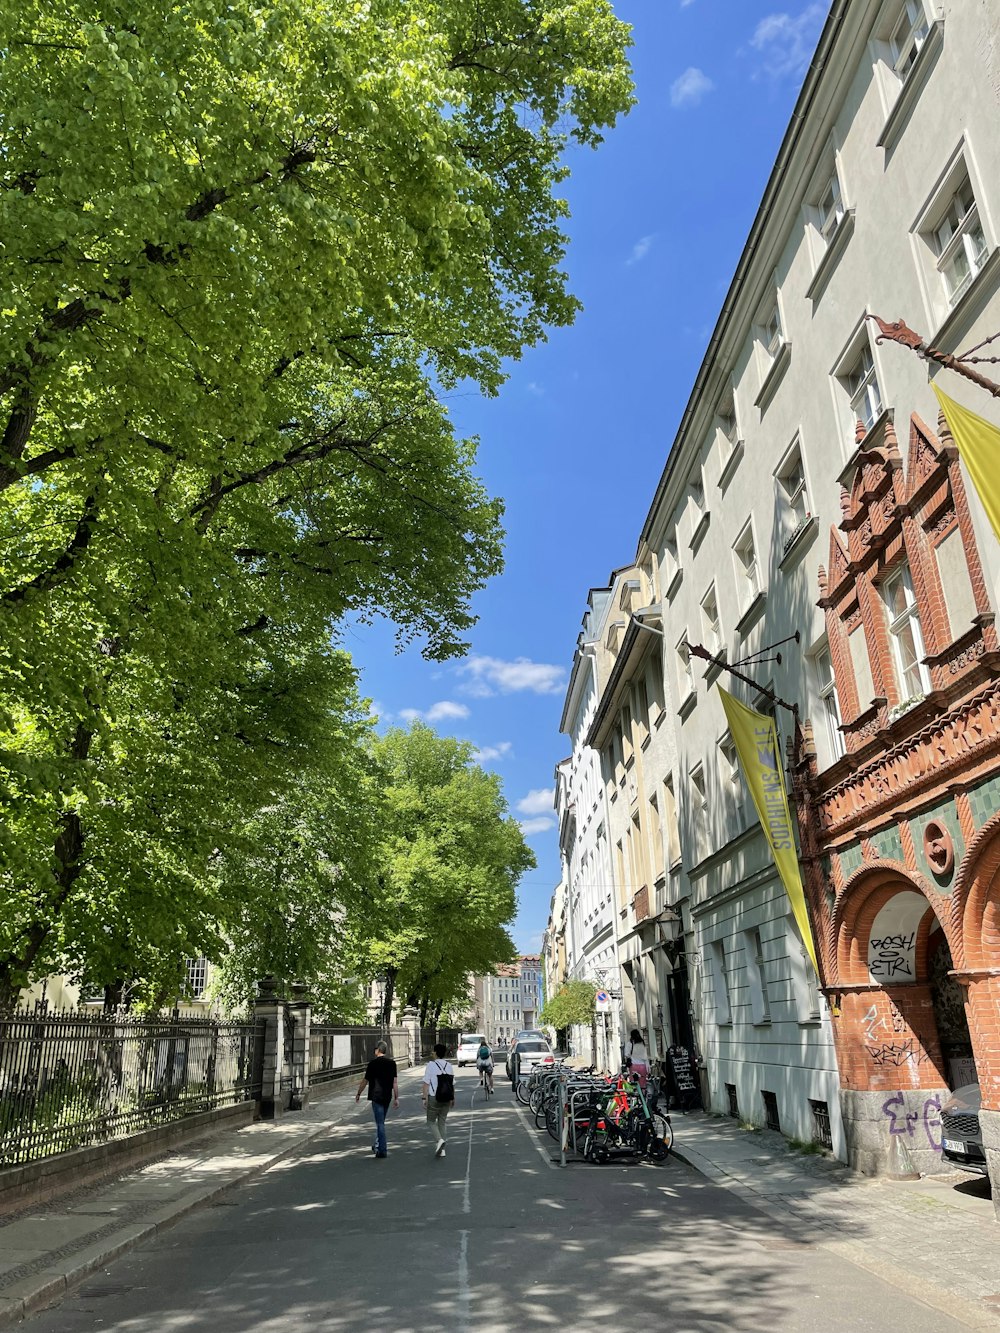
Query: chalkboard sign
{"x": 680, "y": 1067}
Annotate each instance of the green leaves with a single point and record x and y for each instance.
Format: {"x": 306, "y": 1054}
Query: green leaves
{"x": 243, "y": 249}
{"x": 572, "y": 1005}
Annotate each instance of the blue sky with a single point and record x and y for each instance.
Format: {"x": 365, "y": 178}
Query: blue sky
{"x": 659, "y": 217}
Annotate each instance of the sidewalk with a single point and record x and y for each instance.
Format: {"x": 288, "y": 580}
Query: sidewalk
{"x": 49, "y": 1247}
{"x": 937, "y": 1238}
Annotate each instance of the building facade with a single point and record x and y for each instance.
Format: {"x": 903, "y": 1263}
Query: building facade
{"x": 585, "y": 852}
{"x": 814, "y": 531}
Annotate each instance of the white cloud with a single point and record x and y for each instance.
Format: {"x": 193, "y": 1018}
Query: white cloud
{"x": 641, "y": 249}
{"x": 499, "y": 751}
{"x": 538, "y": 802}
{"x": 690, "y": 88}
{"x": 444, "y": 711}
{"x": 786, "y": 41}
{"x": 490, "y": 674}
{"x": 529, "y": 826}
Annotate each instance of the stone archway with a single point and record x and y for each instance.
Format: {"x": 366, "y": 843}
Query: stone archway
{"x": 976, "y": 912}
{"x": 886, "y": 928}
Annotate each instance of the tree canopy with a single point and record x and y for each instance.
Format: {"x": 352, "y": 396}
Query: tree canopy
{"x": 572, "y": 1005}
{"x": 244, "y": 249}
{"x": 447, "y": 871}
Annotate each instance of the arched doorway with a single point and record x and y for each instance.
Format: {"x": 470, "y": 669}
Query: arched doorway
{"x": 890, "y": 1011}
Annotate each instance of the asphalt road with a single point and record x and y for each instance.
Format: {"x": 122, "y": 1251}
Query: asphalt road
{"x": 492, "y": 1236}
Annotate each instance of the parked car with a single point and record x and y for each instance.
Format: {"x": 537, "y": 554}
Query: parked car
{"x": 526, "y": 1050}
{"x": 468, "y": 1048}
{"x": 961, "y": 1132}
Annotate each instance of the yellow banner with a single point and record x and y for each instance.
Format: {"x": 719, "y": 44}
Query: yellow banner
{"x": 978, "y": 443}
{"x": 756, "y": 741}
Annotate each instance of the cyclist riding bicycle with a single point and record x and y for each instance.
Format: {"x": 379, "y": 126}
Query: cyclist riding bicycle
{"x": 484, "y": 1063}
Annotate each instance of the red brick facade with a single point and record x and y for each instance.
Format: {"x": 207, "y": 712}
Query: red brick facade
{"x": 900, "y": 837}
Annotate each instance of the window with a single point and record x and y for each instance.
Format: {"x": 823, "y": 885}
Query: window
{"x": 699, "y": 811}
{"x": 829, "y": 207}
{"x": 829, "y": 704}
{"x": 196, "y": 976}
{"x": 697, "y": 489}
{"x": 670, "y": 816}
{"x": 747, "y": 570}
{"x": 958, "y": 242}
{"x": 656, "y": 834}
{"x": 720, "y": 981}
{"x": 863, "y": 390}
{"x": 907, "y": 36}
{"x": 729, "y": 426}
{"x": 793, "y": 500}
{"x": 804, "y": 980}
{"x": 731, "y": 778}
{"x": 769, "y": 332}
{"x": 710, "y": 621}
{"x": 903, "y": 620}
{"x": 685, "y": 676}
{"x": 753, "y": 952}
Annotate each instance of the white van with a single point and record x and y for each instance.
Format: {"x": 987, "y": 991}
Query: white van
{"x": 468, "y": 1048}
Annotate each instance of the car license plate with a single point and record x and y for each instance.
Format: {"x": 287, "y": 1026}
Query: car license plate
{"x": 952, "y": 1145}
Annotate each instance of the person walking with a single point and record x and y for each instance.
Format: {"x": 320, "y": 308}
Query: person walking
{"x": 383, "y": 1087}
{"x": 636, "y": 1057}
{"x": 438, "y": 1090}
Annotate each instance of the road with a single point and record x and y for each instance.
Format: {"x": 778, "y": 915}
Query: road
{"x": 493, "y": 1236}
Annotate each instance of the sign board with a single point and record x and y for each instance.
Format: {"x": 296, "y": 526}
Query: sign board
{"x": 602, "y": 1001}
{"x": 680, "y": 1066}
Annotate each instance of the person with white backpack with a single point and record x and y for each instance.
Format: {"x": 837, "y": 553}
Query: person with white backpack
{"x": 438, "y": 1091}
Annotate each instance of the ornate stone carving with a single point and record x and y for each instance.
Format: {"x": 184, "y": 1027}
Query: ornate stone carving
{"x": 938, "y": 848}
{"x": 945, "y": 746}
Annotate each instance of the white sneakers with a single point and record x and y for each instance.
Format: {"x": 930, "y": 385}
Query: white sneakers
{"x": 439, "y": 1150}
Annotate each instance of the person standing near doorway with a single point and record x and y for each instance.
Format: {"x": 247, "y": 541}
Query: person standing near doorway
{"x": 636, "y": 1057}
{"x": 438, "y": 1088}
{"x": 383, "y": 1087}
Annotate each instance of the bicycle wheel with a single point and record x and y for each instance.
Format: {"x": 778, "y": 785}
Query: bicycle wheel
{"x": 595, "y": 1146}
{"x": 662, "y": 1137}
{"x": 521, "y": 1091}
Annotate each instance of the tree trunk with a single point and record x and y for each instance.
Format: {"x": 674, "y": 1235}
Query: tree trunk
{"x": 390, "y": 989}
{"x": 15, "y": 967}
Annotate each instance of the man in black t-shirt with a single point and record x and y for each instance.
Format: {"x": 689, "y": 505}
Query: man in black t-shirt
{"x": 383, "y": 1088}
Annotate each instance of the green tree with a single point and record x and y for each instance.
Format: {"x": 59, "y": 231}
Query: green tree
{"x": 451, "y": 858}
{"x": 572, "y": 1005}
{"x": 243, "y": 248}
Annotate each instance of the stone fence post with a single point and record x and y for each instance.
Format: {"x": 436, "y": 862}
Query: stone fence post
{"x": 271, "y": 1008}
{"x": 301, "y": 1013}
{"x": 411, "y": 1021}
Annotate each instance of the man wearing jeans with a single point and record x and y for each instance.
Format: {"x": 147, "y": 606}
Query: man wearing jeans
{"x": 437, "y": 1112}
{"x": 383, "y": 1087}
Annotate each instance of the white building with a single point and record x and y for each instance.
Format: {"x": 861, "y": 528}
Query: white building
{"x": 884, "y": 199}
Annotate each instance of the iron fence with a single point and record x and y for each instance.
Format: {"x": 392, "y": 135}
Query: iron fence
{"x": 334, "y": 1049}
{"x": 73, "y": 1079}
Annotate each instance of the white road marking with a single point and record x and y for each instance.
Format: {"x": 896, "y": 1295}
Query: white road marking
{"x": 534, "y": 1139}
{"x": 463, "y": 1281}
{"x": 466, "y": 1203}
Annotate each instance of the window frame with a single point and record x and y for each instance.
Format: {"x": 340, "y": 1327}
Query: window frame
{"x": 747, "y": 537}
{"x": 712, "y": 629}
{"x": 858, "y": 348}
{"x": 895, "y": 623}
{"x": 826, "y": 691}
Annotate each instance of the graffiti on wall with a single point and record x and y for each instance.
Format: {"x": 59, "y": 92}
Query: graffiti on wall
{"x": 892, "y": 957}
{"x": 902, "y": 1121}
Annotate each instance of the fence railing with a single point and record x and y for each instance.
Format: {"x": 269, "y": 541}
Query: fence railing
{"x": 71, "y": 1080}
{"x": 334, "y": 1049}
